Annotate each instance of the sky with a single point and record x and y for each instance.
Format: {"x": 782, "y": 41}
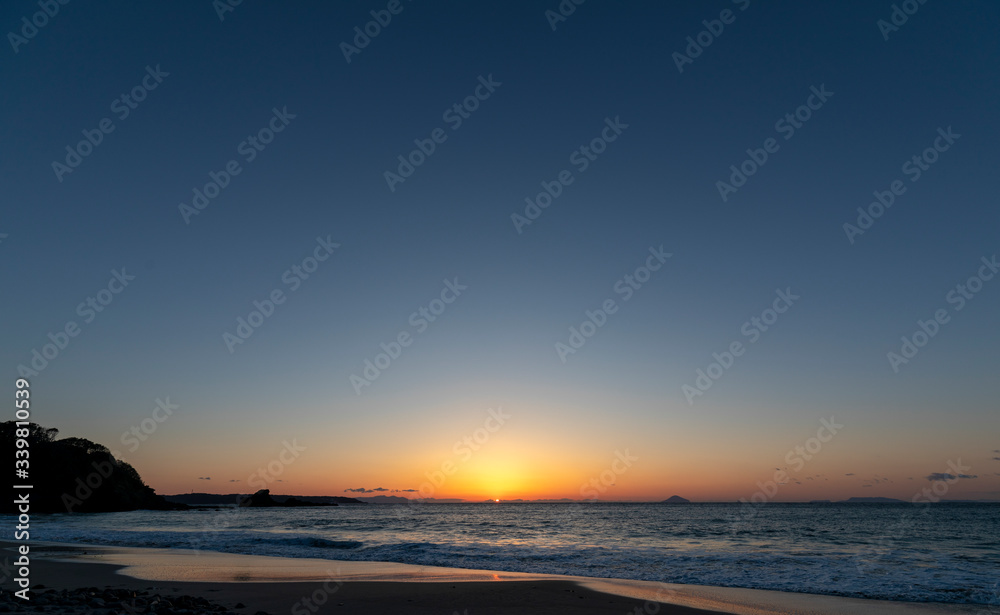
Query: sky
{"x": 509, "y": 250}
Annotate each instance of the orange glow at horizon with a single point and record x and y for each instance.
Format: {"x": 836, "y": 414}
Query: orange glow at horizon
{"x": 551, "y": 452}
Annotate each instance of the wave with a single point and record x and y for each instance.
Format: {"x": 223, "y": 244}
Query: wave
{"x": 834, "y": 573}
{"x": 859, "y": 552}
{"x": 311, "y": 541}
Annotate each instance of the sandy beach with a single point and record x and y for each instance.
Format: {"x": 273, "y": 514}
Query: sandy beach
{"x": 517, "y": 307}
{"x": 250, "y": 584}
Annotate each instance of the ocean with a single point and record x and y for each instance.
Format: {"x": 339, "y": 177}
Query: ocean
{"x": 939, "y": 553}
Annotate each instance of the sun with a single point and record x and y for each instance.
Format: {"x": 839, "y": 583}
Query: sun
{"x": 494, "y": 477}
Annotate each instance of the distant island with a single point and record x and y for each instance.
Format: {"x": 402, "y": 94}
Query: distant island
{"x": 395, "y": 499}
{"x": 543, "y": 501}
{"x": 83, "y": 476}
{"x": 263, "y": 499}
{"x": 230, "y": 499}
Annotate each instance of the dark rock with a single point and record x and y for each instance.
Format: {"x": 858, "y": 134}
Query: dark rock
{"x": 263, "y": 499}
{"x": 80, "y": 476}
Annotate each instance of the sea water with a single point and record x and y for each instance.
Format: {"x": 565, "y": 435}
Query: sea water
{"x": 940, "y": 553}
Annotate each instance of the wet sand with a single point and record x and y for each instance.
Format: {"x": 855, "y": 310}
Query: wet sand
{"x": 305, "y": 586}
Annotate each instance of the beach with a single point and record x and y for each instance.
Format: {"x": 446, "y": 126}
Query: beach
{"x": 251, "y": 584}
{"x": 507, "y": 307}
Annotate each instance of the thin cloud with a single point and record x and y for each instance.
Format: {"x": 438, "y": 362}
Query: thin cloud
{"x": 204, "y": 478}
{"x": 944, "y": 476}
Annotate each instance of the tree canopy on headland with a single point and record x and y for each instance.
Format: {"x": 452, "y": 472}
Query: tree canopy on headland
{"x": 74, "y": 474}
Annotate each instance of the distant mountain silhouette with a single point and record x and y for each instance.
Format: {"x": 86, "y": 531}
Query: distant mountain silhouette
{"x": 230, "y": 499}
{"x": 75, "y": 475}
{"x": 395, "y": 499}
{"x": 874, "y": 501}
{"x": 538, "y": 501}
{"x": 676, "y": 499}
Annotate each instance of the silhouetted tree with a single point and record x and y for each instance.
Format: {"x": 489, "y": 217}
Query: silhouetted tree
{"x": 75, "y": 475}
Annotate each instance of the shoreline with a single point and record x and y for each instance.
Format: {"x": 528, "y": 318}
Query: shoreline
{"x": 277, "y": 584}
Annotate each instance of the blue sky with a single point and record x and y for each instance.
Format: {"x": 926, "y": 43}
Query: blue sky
{"x": 655, "y": 185}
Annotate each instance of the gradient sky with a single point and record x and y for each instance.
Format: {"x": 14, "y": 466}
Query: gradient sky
{"x": 495, "y": 346}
